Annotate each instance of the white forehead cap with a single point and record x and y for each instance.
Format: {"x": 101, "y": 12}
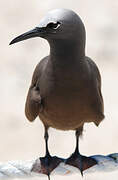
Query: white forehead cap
{"x": 55, "y": 16}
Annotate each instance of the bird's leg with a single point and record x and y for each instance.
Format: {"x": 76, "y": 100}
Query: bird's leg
{"x": 76, "y": 158}
{"x": 47, "y": 163}
{"x": 77, "y": 152}
{"x": 77, "y": 134}
{"x": 47, "y": 154}
{"x": 46, "y": 136}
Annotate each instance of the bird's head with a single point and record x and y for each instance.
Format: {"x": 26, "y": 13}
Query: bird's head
{"x": 59, "y": 24}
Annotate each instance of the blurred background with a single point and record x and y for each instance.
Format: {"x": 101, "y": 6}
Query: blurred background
{"x": 22, "y": 140}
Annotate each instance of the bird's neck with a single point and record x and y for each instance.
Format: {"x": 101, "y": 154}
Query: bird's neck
{"x": 68, "y": 50}
{"x": 66, "y": 61}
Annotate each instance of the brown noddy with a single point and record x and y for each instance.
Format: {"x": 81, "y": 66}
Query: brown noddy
{"x": 65, "y": 91}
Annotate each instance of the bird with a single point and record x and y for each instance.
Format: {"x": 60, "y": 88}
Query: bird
{"x": 65, "y": 90}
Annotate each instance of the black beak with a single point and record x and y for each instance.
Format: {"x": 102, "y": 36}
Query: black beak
{"x": 30, "y": 34}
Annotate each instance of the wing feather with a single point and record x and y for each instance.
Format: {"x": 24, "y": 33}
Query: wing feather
{"x": 33, "y": 104}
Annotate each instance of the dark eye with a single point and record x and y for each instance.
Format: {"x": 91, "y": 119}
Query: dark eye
{"x": 53, "y": 25}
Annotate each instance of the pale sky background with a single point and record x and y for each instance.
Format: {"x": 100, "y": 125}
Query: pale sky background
{"x": 21, "y": 140}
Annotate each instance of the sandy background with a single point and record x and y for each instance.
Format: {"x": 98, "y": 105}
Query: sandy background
{"x": 23, "y": 140}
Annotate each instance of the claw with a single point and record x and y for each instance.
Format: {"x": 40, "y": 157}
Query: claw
{"x": 81, "y": 167}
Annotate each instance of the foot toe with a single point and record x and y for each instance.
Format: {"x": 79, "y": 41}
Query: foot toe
{"x": 46, "y": 165}
{"x": 80, "y": 162}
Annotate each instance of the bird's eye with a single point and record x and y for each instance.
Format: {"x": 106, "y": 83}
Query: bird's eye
{"x": 53, "y": 25}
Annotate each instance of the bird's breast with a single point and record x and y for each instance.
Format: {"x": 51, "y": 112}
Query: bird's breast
{"x": 67, "y": 99}
{"x": 66, "y": 109}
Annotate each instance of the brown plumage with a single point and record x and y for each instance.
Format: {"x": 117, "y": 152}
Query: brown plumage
{"x": 65, "y": 91}
{"x": 67, "y": 100}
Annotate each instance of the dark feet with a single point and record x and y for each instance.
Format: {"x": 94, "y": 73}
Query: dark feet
{"x": 80, "y": 162}
{"x": 47, "y": 165}
{"x": 76, "y": 159}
